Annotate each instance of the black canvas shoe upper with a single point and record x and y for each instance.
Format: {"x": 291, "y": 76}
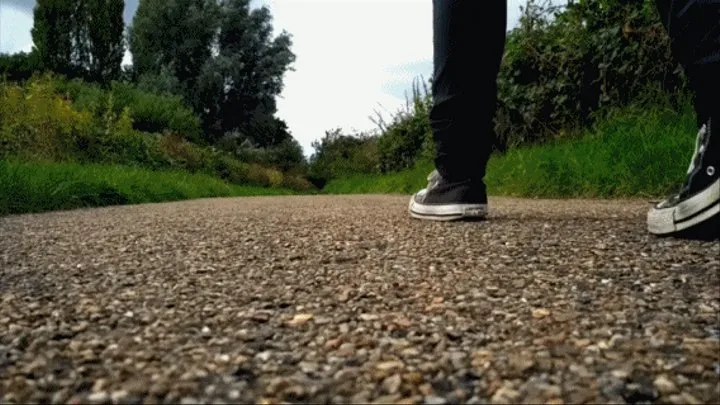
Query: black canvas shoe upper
{"x": 704, "y": 168}
{"x": 440, "y": 191}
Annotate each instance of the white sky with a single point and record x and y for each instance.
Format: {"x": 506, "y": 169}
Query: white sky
{"x": 353, "y": 57}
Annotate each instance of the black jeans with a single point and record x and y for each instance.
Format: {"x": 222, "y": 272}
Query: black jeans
{"x": 469, "y": 41}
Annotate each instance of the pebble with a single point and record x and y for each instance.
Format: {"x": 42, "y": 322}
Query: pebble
{"x": 540, "y": 313}
{"x": 300, "y": 319}
{"x": 98, "y": 397}
{"x": 391, "y": 385}
{"x": 433, "y": 400}
{"x": 389, "y": 365}
{"x": 665, "y": 385}
{"x": 505, "y": 395}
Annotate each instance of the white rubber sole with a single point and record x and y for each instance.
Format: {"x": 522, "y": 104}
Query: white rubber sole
{"x": 688, "y": 213}
{"x": 447, "y": 212}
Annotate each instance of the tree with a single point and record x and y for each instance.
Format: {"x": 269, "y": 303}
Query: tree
{"x": 19, "y": 66}
{"x": 52, "y": 34}
{"x": 80, "y": 38}
{"x": 105, "y": 29}
{"x": 173, "y": 36}
{"x": 238, "y": 87}
{"x": 229, "y": 70}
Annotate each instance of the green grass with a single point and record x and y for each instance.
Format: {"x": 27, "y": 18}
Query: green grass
{"x": 44, "y": 186}
{"x": 634, "y": 152}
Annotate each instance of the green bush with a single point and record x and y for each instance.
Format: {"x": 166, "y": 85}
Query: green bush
{"x": 562, "y": 64}
{"x": 339, "y": 155}
{"x": 34, "y": 122}
{"x": 408, "y": 137}
{"x": 152, "y": 113}
{"x": 19, "y": 66}
{"x": 39, "y": 121}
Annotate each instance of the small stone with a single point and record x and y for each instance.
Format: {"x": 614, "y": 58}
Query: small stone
{"x": 665, "y": 385}
{"x": 540, "y": 313}
{"x": 118, "y": 396}
{"x": 426, "y": 389}
{"x": 233, "y": 395}
{"x": 333, "y": 344}
{"x": 413, "y": 378}
{"x": 389, "y": 365}
{"x": 98, "y": 397}
{"x": 264, "y": 356}
{"x": 307, "y": 367}
{"x": 369, "y": 317}
{"x": 386, "y": 399}
{"x": 505, "y": 395}
{"x": 433, "y": 400}
{"x": 620, "y": 374}
{"x": 580, "y": 343}
{"x": 520, "y": 363}
{"x": 343, "y": 296}
{"x": 410, "y": 352}
{"x": 205, "y": 331}
{"x": 391, "y": 385}
{"x": 300, "y": 319}
{"x": 689, "y": 399}
{"x": 61, "y": 396}
{"x": 676, "y": 399}
{"x": 616, "y": 340}
{"x": 346, "y": 350}
{"x": 99, "y": 385}
{"x": 402, "y": 322}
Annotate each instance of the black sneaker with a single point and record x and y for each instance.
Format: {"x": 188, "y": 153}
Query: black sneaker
{"x": 442, "y": 200}
{"x": 698, "y": 200}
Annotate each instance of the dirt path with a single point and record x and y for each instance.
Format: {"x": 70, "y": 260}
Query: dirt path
{"x": 346, "y": 299}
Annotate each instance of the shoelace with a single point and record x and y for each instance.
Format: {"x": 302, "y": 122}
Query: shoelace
{"x": 699, "y": 148}
{"x": 433, "y": 178}
{"x": 700, "y": 143}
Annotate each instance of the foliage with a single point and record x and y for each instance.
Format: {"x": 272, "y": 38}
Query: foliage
{"x": 150, "y": 112}
{"x": 19, "y": 66}
{"x": 44, "y": 186}
{"x": 230, "y": 70}
{"x": 80, "y": 38}
{"x": 563, "y": 69}
{"x": 562, "y": 64}
{"x": 337, "y": 155}
{"x": 40, "y": 121}
{"x": 237, "y": 88}
{"x": 408, "y": 136}
{"x": 635, "y": 151}
{"x": 173, "y": 34}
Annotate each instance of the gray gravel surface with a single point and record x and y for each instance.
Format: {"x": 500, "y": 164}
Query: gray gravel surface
{"x": 347, "y": 299}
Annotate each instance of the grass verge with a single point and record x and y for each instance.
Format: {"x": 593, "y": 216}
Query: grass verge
{"x": 632, "y": 153}
{"x": 45, "y": 186}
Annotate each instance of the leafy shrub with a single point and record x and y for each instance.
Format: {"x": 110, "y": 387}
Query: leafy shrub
{"x": 152, "y": 113}
{"x": 408, "y": 136}
{"x": 562, "y": 64}
{"x": 296, "y": 182}
{"x": 182, "y": 153}
{"x": 39, "y": 122}
{"x": 19, "y": 66}
{"x": 337, "y": 155}
{"x": 158, "y": 113}
{"x": 35, "y": 122}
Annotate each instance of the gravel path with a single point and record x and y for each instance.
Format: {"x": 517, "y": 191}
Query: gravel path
{"x": 346, "y": 299}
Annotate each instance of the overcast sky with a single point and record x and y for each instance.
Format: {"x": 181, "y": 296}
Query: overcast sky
{"x": 353, "y": 56}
